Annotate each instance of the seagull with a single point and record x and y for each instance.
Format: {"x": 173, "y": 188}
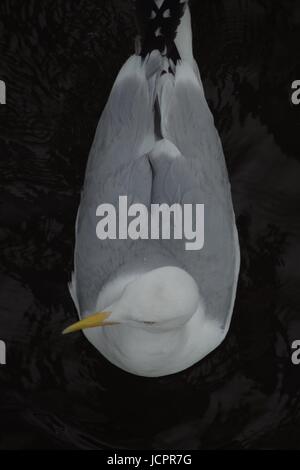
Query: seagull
{"x": 151, "y": 307}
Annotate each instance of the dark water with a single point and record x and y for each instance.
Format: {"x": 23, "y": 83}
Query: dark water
{"x": 59, "y": 59}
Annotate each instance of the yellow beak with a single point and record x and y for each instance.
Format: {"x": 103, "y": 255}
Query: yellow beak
{"x": 98, "y": 319}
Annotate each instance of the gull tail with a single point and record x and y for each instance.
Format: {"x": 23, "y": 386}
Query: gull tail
{"x": 165, "y": 25}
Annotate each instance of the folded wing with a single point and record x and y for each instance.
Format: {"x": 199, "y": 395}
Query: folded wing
{"x": 197, "y": 174}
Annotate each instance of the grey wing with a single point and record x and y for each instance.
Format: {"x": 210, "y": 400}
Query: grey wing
{"x": 117, "y": 166}
{"x": 198, "y": 175}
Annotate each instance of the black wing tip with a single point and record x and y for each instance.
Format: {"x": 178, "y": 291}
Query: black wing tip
{"x": 158, "y": 26}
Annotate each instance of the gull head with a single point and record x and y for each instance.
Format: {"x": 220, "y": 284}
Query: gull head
{"x": 162, "y": 299}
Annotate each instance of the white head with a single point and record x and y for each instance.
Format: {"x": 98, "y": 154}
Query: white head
{"x": 160, "y": 300}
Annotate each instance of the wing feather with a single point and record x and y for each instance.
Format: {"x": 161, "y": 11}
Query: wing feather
{"x": 117, "y": 166}
{"x": 198, "y": 175}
